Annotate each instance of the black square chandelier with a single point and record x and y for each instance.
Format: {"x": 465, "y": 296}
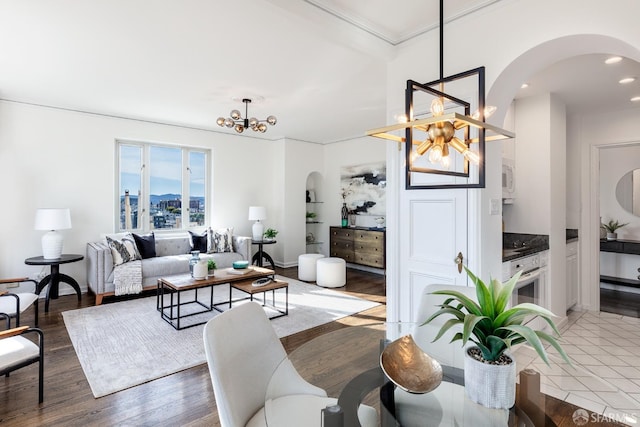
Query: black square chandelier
{"x": 442, "y": 136}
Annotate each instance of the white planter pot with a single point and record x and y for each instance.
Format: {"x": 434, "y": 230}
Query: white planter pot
{"x": 492, "y": 386}
{"x": 612, "y": 236}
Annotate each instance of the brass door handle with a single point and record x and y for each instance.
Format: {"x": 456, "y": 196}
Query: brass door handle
{"x": 458, "y": 260}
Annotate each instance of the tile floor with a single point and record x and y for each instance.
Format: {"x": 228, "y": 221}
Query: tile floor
{"x": 605, "y": 350}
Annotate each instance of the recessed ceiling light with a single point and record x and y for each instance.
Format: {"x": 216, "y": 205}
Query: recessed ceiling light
{"x": 613, "y": 60}
{"x": 524, "y": 85}
{"x": 635, "y": 99}
{"x": 627, "y": 80}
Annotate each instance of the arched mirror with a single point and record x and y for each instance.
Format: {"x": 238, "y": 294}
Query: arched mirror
{"x": 628, "y": 192}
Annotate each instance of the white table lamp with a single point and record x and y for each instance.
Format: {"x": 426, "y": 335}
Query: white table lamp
{"x": 52, "y": 220}
{"x": 257, "y": 214}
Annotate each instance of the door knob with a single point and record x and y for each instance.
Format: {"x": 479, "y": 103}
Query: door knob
{"x": 458, "y": 261}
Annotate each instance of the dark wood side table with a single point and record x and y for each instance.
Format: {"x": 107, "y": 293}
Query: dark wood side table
{"x": 261, "y": 254}
{"x": 54, "y": 279}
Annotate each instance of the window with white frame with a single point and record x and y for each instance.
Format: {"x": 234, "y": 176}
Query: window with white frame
{"x": 153, "y": 180}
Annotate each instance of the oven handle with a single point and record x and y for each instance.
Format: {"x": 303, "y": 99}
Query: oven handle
{"x": 528, "y": 277}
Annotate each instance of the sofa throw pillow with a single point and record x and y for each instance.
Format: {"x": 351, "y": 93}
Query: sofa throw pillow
{"x": 146, "y": 245}
{"x": 199, "y": 241}
{"x": 123, "y": 250}
{"x": 220, "y": 240}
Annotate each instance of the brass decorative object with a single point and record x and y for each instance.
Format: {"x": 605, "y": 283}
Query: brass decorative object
{"x": 410, "y": 368}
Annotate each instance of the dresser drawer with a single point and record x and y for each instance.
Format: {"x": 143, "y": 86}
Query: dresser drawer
{"x": 341, "y": 244}
{"x": 369, "y": 238}
{"x": 345, "y": 254}
{"x": 372, "y": 260}
{"x": 342, "y": 233}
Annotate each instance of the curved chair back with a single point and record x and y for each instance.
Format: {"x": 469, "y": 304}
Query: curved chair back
{"x": 243, "y": 351}
{"x": 442, "y": 350}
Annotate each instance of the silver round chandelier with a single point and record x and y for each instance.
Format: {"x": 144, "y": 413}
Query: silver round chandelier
{"x": 239, "y": 123}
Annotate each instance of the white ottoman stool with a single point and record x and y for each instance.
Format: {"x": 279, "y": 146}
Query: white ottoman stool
{"x": 332, "y": 272}
{"x": 307, "y": 266}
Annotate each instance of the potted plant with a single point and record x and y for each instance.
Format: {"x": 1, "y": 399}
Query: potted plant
{"x": 270, "y": 233}
{"x": 611, "y": 228}
{"x": 494, "y": 327}
{"x": 211, "y": 266}
{"x": 311, "y": 216}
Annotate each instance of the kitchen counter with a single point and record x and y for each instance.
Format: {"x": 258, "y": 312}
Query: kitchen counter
{"x": 518, "y": 245}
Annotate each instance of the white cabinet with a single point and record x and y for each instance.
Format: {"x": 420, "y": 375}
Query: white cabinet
{"x": 572, "y": 274}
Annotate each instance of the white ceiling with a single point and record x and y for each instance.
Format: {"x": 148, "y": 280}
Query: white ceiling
{"x": 319, "y": 65}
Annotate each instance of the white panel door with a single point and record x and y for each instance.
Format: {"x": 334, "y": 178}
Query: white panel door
{"x": 433, "y": 230}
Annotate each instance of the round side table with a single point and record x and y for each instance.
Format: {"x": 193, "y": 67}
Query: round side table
{"x": 261, "y": 254}
{"x": 55, "y": 277}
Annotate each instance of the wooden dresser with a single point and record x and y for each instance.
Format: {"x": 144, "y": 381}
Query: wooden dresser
{"x": 358, "y": 246}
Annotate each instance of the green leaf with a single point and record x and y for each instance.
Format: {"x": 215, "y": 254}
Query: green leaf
{"x": 505, "y": 292}
{"x": 445, "y": 327}
{"x": 552, "y": 340}
{"x": 532, "y": 339}
{"x": 470, "y": 305}
{"x": 496, "y": 346}
{"x": 470, "y": 322}
{"x": 446, "y": 310}
{"x": 485, "y": 302}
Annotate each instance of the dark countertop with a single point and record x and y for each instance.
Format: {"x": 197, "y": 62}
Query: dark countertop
{"x": 518, "y": 245}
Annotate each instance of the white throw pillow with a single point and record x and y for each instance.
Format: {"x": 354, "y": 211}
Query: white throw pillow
{"x": 123, "y": 250}
{"x": 220, "y": 240}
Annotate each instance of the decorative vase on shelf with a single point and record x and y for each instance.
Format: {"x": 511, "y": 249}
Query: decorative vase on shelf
{"x": 345, "y": 215}
{"x": 612, "y": 236}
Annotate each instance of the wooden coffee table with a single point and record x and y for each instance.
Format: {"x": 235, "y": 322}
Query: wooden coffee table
{"x": 174, "y": 286}
{"x": 248, "y": 288}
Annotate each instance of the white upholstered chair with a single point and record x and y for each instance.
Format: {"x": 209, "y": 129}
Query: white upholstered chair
{"x": 253, "y": 380}
{"x": 13, "y": 304}
{"x": 16, "y": 352}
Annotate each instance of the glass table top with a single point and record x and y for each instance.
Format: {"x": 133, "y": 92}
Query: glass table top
{"x": 346, "y": 364}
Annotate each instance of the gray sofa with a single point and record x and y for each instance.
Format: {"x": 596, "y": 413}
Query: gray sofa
{"x": 172, "y": 257}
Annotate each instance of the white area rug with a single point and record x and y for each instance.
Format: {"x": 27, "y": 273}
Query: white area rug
{"x": 124, "y": 344}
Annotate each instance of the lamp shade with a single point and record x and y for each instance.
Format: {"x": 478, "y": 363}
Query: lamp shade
{"x": 53, "y": 219}
{"x": 257, "y": 213}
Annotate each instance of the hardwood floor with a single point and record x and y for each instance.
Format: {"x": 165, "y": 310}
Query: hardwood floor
{"x": 618, "y": 302}
{"x": 181, "y": 399}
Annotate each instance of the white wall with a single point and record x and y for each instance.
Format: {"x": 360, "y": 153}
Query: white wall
{"x": 301, "y": 159}
{"x": 540, "y": 196}
{"x": 530, "y": 212}
{"x": 56, "y": 158}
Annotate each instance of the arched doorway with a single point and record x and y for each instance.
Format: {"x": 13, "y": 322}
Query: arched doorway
{"x": 585, "y": 153}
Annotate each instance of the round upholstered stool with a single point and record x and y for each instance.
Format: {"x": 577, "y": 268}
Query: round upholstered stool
{"x": 307, "y": 266}
{"x": 332, "y": 272}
